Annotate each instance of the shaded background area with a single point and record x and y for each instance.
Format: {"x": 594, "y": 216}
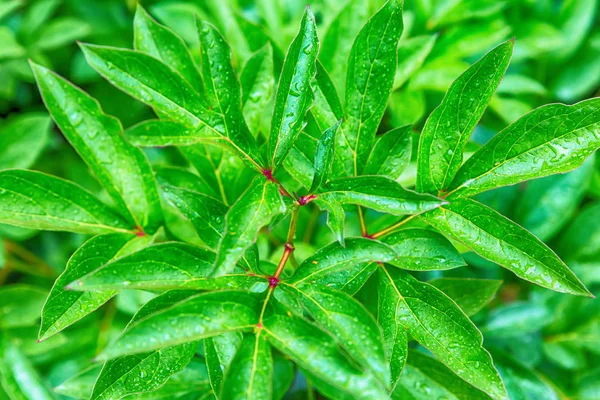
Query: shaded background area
{"x": 541, "y": 335}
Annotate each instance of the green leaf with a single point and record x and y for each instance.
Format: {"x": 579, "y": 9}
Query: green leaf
{"x": 294, "y": 95}
{"x": 547, "y": 204}
{"x": 436, "y": 322}
{"x": 35, "y": 200}
{"x": 500, "y": 240}
{"x": 327, "y": 109}
{"x": 425, "y": 378}
{"x": 258, "y": 86}
{"x": 251, "y": 372}
{"x": 122, "y": 169}
{"x": 334, "y": 265}
{"x": 320, "y": 358}
{"x": 551, "y": 139}
{"x": 206, "y": 213}
{"x": 153, "y": 133}
{"x": 259, "y": 204}
{"x": 163, "y": 266}
{"x": 422, "y": 250}
{"x": 471, "y": 295}
{"x": 22, "y": 139}
{"x": 351, "y": 325}
{"x": 371, "y": 70}
{"x": 219, "y": 352}
{"x": 378, "y": 193}
{"x": 64, "y": 307}
{"x": 339, "y": 38}
{"x": 411, "y": 56}
{"x": 284, "y": 372}
{"x": 391, "y": 154}
{"x": 516, "y": 319}
{"x": 450, "y": 125}
{"x": 18, "y": 377}
{"x": 20, "y": 305}
{"x": 159, "y": 41}
{"x": 197, "y": 317}
{"x": 62, "y": 31}
{"x": 324, "y": 157}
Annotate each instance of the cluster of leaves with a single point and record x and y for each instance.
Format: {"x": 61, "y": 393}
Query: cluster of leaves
{"x": 202, "y": 245}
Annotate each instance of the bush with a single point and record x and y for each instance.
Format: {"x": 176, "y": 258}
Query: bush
{"x": 236, "y": 222}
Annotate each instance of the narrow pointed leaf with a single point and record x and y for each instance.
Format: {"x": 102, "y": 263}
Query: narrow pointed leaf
{"x": 294, "y": 95}
{"x": 422, "y": 250}
{"x": 122, "y": 169}
{"x": 219, "y": 352}
{"x": 411, "y": 56}
{"x": 64, "y": 307}
{"x": 336, "y": 216}
{"x": 22, "y": 139}
{"x": 371, "y": 70}
{"x": 35, "y": 200}
{"x": 258, "y": 85}
{"x": 253, "y": 210}
{"x": 471, "y": 295}
{"x": 250, "y": 375}
{"x": 163, "y": 266}
{"x": 324, "y": 157}
{"x": 395, "y": 339}
{"x": 450, "y": 125}
{"x": 436, "y": 322}
{"x": 351, "y": 325}
{"x": 378, "y": 193}
{"x": 197, "y": 317}
{"x": 500, "y": 240}
{"x": 551, "y": 139}
{"x": 161, "y": 42}
{"x": 391, "y": 154}
{"x": 334, "y": 264}
{"x": 320, "y": 358}
{"x": 153, "y": 133}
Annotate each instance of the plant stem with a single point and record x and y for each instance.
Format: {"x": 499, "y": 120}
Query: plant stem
{"x": 392, "y": 228}
{"x": 289, "y": 243}
{"x": 27, "y": 256}
{"x": 363, "y": 225}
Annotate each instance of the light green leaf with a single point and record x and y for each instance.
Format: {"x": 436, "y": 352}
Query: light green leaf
{"x": 422, "y": 250}
{"x": 335, "y": 216}
{"x": 64, "y": 307}
{"x": 351, "y": 325}
{"x": 20, "y": 305}
{"x": 426, "y": 378}
{"x": 159, "y": 41}
{"x": 197, "y": 317}
{"x": 471, "y": 295}
{"x": 22, "y": 139}
{"x": 320, "y": 358}
{"x": 551, "y": 139}
{"x": 35, "y": 200}
{"x": 576, "y": 18}
{"x": 62, "y": 31}
{"x": 450, "y": 125}
{"x": 18, "y": 377}
{"x": 324, "y": 157}
{"x": 122, "y": 169}
{"x": 294, "y": 95}
{"x": 163, "y": 266}
{"x": 391, "y": 154}
{"x": 371, "y": 70}
{"x": 516, "y": 319}
{"x": 378, "y": 193}
{"x": 8, "y": 7}
{"x": 10, "y": 47}
{"x": 153, "y": 133}
{"x": 258, "y": 86}
{"x": 335, "y": 265}
{"x": 219, "y": 352}
{"x": 411, "y": 56}
{"x": 500, "y": 240}
{"x": 339, "y": 38}
{"x": 327, "y": 109}
{"x": 184, "y": 179}
{"x": 250, "y": 375}
{"x": 259, "y": 204}
{"x": 436, "y": 322}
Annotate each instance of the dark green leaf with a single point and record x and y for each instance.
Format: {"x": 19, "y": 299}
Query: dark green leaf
{"x": 153, "y": 133}
{"x": 436, "y": 322}
{"x": 391, "y": 154}
{"x": 551, "y": 139}
{"x": 450, "y": 125}
{"x": 35, "y": 200}
{"x": 253, "y": 210}
{"x": 371, "y": 70}
{"x": 471, "y": 295}
{"x": 500, "y": 240}
{"x": 219, "y": 352}
{"x": 121, "y": 168}
{"x": 294, "y": 95}
{"x": 324, "y": 157}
